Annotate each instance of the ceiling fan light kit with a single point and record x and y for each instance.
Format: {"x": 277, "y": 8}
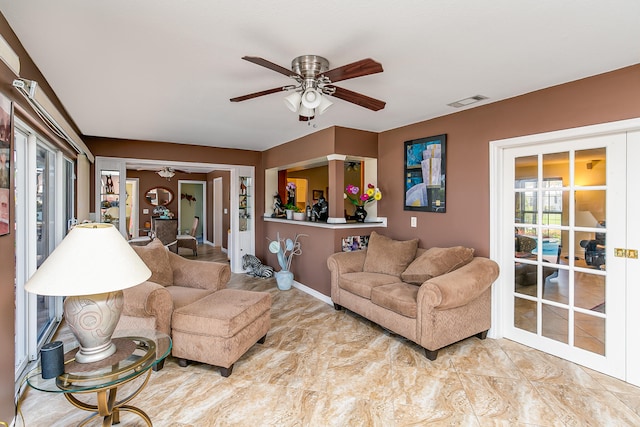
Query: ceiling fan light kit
{"x": 166, "y": 172}
{"x": 315, "y": 81}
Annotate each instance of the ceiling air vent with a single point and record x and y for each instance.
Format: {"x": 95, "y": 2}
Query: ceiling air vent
{"x": 467, "y": 101}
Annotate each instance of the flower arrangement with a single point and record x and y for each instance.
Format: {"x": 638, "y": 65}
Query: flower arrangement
{"x": 290, "y": 186}
{"x": 371, "y": 195}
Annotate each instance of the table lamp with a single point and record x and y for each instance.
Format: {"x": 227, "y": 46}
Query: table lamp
{"x": 91, "y": 266}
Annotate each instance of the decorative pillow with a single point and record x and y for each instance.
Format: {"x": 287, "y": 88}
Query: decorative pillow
{"x": 435, "y": 262}
{"x": 388, "y": 256}
{"x": 156, "y": 256}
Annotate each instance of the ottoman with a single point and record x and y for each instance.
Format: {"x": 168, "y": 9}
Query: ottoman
{"x": 219, "y": 328}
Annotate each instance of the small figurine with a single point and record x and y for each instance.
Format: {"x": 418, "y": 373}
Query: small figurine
{"x": 278, "y": 207}
{"x": 320, "y": 210}
{"x": 109, "y": 185}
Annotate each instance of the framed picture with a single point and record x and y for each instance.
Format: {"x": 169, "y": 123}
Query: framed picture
{"x": 424, "y": 174}
{"x": 5, "y": 162}
{"x": 317, "y": 194}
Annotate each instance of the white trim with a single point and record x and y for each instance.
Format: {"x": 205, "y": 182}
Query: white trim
{"x": 342, "y": 157}
{"x": 307, "y": 290}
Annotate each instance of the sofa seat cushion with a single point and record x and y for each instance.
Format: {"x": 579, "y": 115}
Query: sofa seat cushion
{"x": 436, "y": 262}
{"x": 223, "y": 313}
{"x": 388, "y": 256}
{"x": 183, "y": 295}
{"x": 156, "y": 257}
{"x": 398, "y": 297}
{"x": 361, "y": 283}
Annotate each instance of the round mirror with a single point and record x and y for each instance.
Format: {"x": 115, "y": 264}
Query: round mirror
{"x": 159, "y": 196}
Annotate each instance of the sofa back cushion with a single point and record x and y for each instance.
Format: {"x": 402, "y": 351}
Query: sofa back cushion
{"x": 435, "y": 262}
{"x": 388, "y": 256}
{"x": 156, "y": 256}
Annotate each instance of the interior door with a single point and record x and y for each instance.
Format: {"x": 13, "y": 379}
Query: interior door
{"x": 632, "y": 263}
{"x": 565, "y": 207}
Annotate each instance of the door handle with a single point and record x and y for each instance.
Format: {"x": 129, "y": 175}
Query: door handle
{"x": 625, "y": 253}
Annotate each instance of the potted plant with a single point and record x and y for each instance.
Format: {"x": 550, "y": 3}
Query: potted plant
{"x": 289, "y": 209}
{"x": 285, "y": 249}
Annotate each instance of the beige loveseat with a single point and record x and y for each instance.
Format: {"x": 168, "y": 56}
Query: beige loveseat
{"x": 433, "y": 297}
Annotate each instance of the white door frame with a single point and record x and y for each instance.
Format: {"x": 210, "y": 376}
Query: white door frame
{"x": 497, "y": 215}
{"x": 217, "y": 212}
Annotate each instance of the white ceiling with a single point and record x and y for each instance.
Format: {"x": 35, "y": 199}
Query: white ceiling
{"x": 164, "y": 70}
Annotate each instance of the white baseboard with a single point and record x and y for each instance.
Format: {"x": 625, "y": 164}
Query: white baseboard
{"x": 307, "y": 290}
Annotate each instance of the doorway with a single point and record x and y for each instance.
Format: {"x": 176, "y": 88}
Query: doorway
{"x": 559, "y": 219}
{"x": 192, "y": 204}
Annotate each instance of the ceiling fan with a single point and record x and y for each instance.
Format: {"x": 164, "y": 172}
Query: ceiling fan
{"x": 313, "y": 80}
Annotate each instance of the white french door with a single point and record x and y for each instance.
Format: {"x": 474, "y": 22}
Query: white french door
{"x": 565, "y": 206}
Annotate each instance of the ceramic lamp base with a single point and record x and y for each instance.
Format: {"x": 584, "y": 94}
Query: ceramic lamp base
{"x": 93, "y": 319}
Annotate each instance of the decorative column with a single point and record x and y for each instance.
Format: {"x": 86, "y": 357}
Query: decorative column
{"x": 335, "y": 197}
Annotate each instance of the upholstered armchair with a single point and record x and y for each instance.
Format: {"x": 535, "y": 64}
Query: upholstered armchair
{"x": 175, "y": 282}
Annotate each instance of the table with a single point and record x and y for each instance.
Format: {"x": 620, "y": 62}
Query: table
{"x": 136, "y": 353}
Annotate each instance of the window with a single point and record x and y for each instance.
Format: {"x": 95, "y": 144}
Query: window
{"x": 44, "y": 209}
{"x": 526, "y": 209}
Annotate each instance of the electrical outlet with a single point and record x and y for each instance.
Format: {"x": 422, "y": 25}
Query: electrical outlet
{"x": 414, "y": 221}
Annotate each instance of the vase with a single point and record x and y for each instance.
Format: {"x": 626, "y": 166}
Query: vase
{"x": 284, "y": 278}
{"x": 360, "y": 213}
{"x": 289, "y": 213}
{"x": 299, "y": 216}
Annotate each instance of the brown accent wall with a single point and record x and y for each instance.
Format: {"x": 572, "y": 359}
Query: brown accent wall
{"x": 333, "y": 140}
{"x": 604, "y": 98}
{"x": 310, "y": 268}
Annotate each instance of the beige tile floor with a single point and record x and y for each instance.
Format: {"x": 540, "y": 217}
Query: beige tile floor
{"x": 321, "y": 367}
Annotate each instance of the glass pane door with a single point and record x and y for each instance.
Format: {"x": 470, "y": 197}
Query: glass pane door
{"x": 564, "y": 297}
{"x": 45, "y": 222}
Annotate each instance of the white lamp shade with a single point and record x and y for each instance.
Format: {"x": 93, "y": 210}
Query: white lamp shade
{"x": 292, "y": 101}
{"x": 324, "y": 104}
{"x": 311, "y": 98}
{"x": 92, "y": 259}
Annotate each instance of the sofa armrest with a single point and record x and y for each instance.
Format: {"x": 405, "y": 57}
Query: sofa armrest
{"x": 460, "y": 286}
{"x": 340, "y": 263}
{"x": 199, "y": 274}
{"x": 346, "y": 262}
{"x": 149, "y": 299}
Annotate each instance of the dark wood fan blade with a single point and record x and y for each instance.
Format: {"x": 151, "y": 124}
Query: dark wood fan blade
{"x": 360, "y": 68}
{"x": 257, "y": 94}
{"x": 359, "y": 99}
{"x": 270, "y": 65}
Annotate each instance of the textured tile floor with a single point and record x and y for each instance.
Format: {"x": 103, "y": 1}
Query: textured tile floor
{"x": 321, "y": 367}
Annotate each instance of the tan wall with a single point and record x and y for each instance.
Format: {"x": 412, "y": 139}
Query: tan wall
{"x": 604, "y": 98}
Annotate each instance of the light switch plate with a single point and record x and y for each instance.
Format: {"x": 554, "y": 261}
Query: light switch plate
{"x": 145, "y": 211}
{"x": 414, "y": 221}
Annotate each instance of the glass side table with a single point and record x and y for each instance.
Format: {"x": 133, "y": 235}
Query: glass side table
{"x": 136, "y": 353}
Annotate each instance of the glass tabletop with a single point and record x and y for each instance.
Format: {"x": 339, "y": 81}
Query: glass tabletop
{"x": 136, "y": 352}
